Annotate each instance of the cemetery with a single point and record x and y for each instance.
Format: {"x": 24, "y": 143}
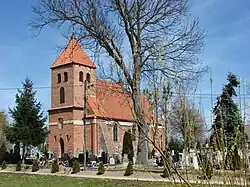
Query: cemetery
{"x": 115, "y": 167}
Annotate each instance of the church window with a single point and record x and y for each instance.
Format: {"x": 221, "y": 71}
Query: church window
{"x": 115, "y": 132}
{"x": 68, "y": 137}
{"x": 81, "y": 76}
{"x": 62, "y": 95}
{"x": 65, "y": 77}
{"x": 88, "y": 77}
{"x": 59, "y": 78}
{"x": 60, "y": 123}
{"x": 54, "y": 138}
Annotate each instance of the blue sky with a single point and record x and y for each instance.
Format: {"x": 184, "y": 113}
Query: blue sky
{"x": 226, "y": 23}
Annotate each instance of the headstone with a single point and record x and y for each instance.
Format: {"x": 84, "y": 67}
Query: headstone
{"x": 92, "y": 158}
{"x": 104, "y": 158}
{"x": 112, "y": 161}
{"x": 195, "y": 162}
{"x": 134, "y": 160}
{"x": 118, "y": 159}
{"x": 152, "y": 162}
{"x": 125, "y": 160}
{"x": 172, "y": 153}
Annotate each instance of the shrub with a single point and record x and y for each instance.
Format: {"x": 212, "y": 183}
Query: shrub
{"x": 129, "y": 169}
{"x": 35, "y": 166}
{"x": 18, "y": 166}
{"x": 166, "y": 173}
{"x": 26, "y": 167}
{"x": 167, "y": 166}
{"x": 71, "y": 161}
{"x": 207, "y": 168}
{"x": 55, "y": 167}
{"x": 75, "y": 167}
{"x": 101, "y": 169}
{"x": 4, "y": 165}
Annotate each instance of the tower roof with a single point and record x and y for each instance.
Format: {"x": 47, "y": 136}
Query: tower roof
{"x": 73, "y": 54}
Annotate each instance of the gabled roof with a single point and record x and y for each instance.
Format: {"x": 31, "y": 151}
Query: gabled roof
{"x": 113, "y": 102}
{"x": 73, "y": 54}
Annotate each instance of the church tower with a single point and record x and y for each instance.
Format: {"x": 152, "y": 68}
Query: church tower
{"x": 68, "y": 74}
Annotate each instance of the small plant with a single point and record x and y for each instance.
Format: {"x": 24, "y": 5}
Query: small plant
{"x": 35, "y": 166}
{"x": 55, "y": 167}
{"x": 75, "y": 167}
{"x": 18, "y": 166}
{"x": 166, "y": 173}
{"x": 129, "y": 169}
{"x": 4, "y": 165}
{"x": 101, "y": 169}
{"x": 26, "y": 167}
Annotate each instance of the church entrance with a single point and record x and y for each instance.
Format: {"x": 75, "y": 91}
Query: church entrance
{"x": 62, "y": 146}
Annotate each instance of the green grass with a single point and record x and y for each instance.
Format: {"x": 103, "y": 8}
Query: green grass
{"x": 21, "y": 180}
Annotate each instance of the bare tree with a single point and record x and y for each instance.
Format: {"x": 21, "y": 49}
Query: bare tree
{"x": 187, "y": 121}
{"x": 3, "y": 124}
{"x": 152, "y": 35}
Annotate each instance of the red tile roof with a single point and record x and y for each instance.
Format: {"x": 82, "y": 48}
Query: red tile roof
{"x": 73, "y": 53}
{"x": 113, "y": 102}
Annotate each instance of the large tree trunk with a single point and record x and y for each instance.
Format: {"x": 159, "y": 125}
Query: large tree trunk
{"x": 142, "y": 148}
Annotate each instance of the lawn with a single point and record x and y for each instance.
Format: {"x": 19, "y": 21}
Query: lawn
{"x": 22, "y": 180}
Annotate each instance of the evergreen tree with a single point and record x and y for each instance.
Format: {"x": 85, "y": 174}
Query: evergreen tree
{"x": 176, "y": 145}
{"x": 129, "y": 170}
{"x": 28, "y": 127}
{"x": 15, "y": 156}
{"x": 3, "y": 151}
{"x": 227, "y": 127}
{"x": 55, "y": 167}
{"x": 101, "y": 169}
{"x": 35, "y": 166}
{"x": 4, "y": 165}
{"x": 75, "y": 167}
{"x": 128, "y": 145}
{"x": 18, "y": 166}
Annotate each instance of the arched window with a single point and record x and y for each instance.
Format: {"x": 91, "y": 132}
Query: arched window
{"x": 62, "y": 95}
{"x": 81, "y": 76}
{"x": 65, "y": 77}
{"x": 59, "y": 79}
{"x": 60, "y": 123}
{"x": 115, "y": 132}
{"x": 133, "y": 132}
{"x": 88, "y": 77}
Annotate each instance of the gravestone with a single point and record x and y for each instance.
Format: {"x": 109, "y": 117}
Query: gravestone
{"x": 152, "y": 162}
{"x": 112, "y": 161}
{"x": 195, "y": 162}
{"x": 118, "y": 159}
{"x": 125, "y": 160}
{"x": 192, "y": 160}
{"x": 134, "y": 160}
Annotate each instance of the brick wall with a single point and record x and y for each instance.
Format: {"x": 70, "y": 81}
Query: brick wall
{"x": 68, "y": 86}
{"x": 66, "y": 133}
{"x": 79, "y": 86}
{"x": 107, "y": 140}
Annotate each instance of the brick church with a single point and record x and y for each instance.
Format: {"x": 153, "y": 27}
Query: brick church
{"x": 109, "y": 108}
